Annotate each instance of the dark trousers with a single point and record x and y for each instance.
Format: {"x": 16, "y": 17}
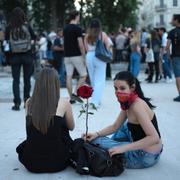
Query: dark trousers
{"x": 24, "y": 60}
{"x": 58, "y": 64}
{"x": 108, "y": 70}
{"x": 154, "y": 66}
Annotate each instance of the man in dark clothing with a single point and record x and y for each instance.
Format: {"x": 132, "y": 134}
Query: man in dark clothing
{"x": 74, "y": 52}
{"x": 19, "y": 35}
{"x": 174, "y": 40}
{"x": 58, "y": 54}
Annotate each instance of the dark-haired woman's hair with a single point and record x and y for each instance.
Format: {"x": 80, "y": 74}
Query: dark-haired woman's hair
{"x": 18, "y": 18}
{"x": 93, "y": 31}
{"x": 73, "y": 14}
{"x": 130, "y": 79}
{"x": 44, "y": 101}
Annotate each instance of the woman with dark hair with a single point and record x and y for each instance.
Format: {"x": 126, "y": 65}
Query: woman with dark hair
{"x": 19, "y": 34}
{"x": 48, "y": 121}
{"x": 154, "y": 43}
{"x": 96, "y": 67}
{"x": 136, "y": 129}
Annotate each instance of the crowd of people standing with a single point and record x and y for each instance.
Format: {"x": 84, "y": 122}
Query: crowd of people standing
{"x": 68, "y": 49}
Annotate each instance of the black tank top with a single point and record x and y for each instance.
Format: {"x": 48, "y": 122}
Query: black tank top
{"x": 138, "y": 133}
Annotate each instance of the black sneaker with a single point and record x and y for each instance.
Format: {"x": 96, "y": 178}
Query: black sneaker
{"x": 16, "y": 107}
{"x": 177, "y": 99}
{"x": 76, "y": 98}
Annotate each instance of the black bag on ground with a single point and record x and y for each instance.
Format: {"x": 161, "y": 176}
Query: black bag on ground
{"x": 100, "y": 162}
{"x": 91, "y": 159}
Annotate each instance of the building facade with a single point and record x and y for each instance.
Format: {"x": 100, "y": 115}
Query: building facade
{"x": 157, "y": 13}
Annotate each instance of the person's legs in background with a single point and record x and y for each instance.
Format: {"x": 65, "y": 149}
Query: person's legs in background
{"x": 16, "y": 69}
{"x": 78, "y": 63}
{"x": 135, "y": 64}
{"x": 90, "y": 66}
{"x": 156, "y": 65}
{"x": 27, "y": 72}
{"x": 166, "y": 67}
{"x": 99, "y": 81}
{"x": 151, "y": 71}
{"x": 62, "y": 73}
{"x": 108, "y": 71}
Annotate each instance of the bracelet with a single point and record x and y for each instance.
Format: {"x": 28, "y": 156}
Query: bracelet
{"x": 98, "y": 134}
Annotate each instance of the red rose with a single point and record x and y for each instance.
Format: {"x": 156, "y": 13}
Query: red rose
{"x": 85, "y": 91}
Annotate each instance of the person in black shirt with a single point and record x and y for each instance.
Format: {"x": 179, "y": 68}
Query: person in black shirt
{"x": 174, "y": 40}
{"x": 49, "y": 118}
{"x": 74, "y": 52}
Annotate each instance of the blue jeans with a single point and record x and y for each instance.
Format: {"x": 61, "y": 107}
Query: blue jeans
{"x": 166, "y": 66}
{"x": 135, "y": 159}
{"x": 62, "y": 72}
{"x": 135, "y": 61}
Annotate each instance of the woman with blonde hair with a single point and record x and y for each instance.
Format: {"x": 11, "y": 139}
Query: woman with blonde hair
{"x": 48, "y": 121}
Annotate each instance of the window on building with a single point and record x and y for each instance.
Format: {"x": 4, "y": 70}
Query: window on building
{"x": 161, "y": 19}
{"x": 161, "y": 3}
{"x": 175, "y": 2}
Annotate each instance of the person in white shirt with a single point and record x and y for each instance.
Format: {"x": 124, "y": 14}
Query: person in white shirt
{"x": 42, "y": 47}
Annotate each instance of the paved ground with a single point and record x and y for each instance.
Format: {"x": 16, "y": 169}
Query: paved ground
{"x": 12, "y": 132}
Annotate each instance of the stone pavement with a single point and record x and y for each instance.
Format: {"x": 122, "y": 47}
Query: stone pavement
{"x": 12, "y": 132}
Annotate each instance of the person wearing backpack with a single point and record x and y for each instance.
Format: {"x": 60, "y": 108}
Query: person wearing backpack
{"x": 19, "y": 35}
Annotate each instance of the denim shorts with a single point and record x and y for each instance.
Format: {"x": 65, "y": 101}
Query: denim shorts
{"x": 176, "y": 66}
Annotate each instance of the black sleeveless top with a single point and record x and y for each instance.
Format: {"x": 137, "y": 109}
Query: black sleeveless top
{"x": 47, "y": 152}
{"x": 138, "y": 133}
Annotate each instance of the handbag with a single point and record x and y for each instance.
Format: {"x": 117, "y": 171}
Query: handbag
{"x": 100, "y": 163}
{"x": 101, "y": 52}
{"x": 150, "y": 54}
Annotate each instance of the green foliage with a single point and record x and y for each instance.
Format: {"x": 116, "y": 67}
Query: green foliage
{"x": 48, "y": 14}
{"x": 8, "y": 5}
{"x": 112, "y": 13}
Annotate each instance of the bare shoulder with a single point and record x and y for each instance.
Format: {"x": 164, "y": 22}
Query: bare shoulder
{"x": 139, "y": 105}
{"x": 63, "y": 105}
{"x": 63, "y": 102}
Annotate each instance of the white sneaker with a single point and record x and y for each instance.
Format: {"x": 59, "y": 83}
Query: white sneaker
{"x": 169, "y": 80}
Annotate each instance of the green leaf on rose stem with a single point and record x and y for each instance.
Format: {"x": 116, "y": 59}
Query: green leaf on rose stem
{"x": 81, "y": 112}
{"x": 91, "y": 113}
{"x": 93, "y": 106}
